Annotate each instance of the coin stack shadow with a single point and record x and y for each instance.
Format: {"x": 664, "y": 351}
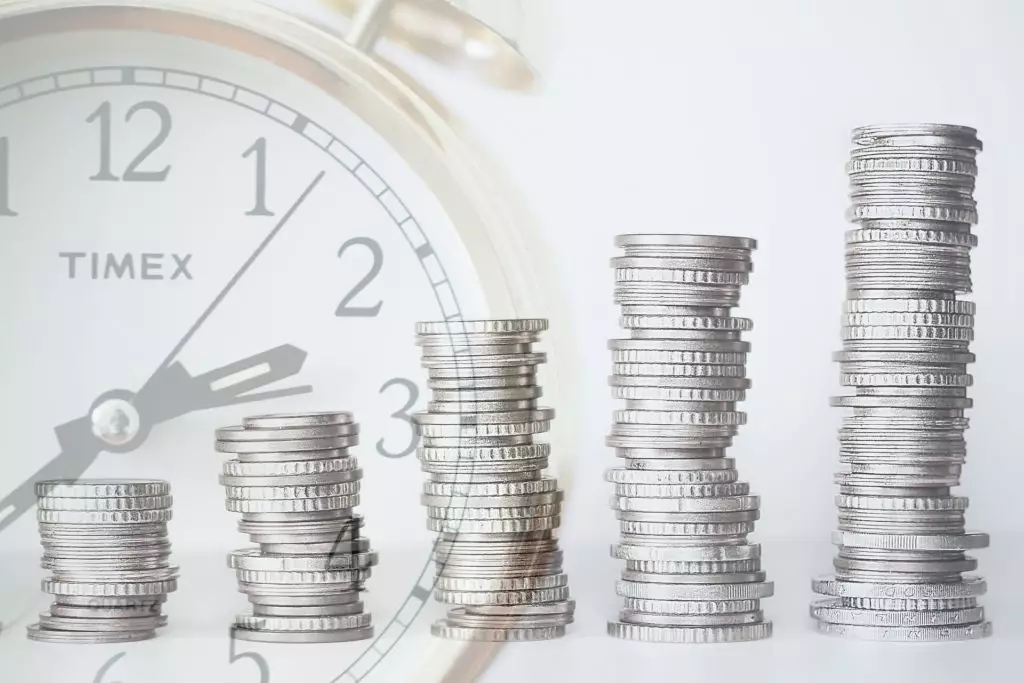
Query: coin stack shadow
{"x": 691, "y": 575}
{"x": 497, "y": 557}
{"x": 906, "y": 340}
{"x": 296, "y": 484}
{"x": 106, "y": 545}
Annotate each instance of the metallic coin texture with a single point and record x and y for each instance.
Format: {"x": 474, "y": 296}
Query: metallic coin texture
{"x": 906, "y": 335}
{"x": 498, "y": 563}
{"x": 105, "y": 544}
{"x": 691, "y": 576}
{"x": 296, "y": 484}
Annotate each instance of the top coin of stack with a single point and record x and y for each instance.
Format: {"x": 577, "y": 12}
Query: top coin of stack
{"x": 105, "y": 543}
{"x": 691, "y": 576}
{"x": 497, "y": 557}
{"x": 906, "y": 340}
{"x": 296, "y": 484}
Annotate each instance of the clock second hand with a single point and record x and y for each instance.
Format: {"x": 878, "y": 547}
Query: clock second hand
{"x": 82, "y": 449}
{"x": 241, "y": 271}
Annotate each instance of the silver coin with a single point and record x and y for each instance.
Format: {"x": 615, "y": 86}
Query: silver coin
{"x": 330, "y": 610}
{"x": 833, "y": 612}
{"x": 297, "y": 420}
{"x": 303, "y": 624}
{"x": 691, "y": 579}
{"x": 101, "y": 488}
{"x": 266, "y": 449}
{"x": 908, "y": 634}
{"x": 344, "y": 599}
{"x": 683, "y": 634}
{"x": 447, "y": 630}
{"x": 347, "y": 635}
{"x": 331, "y": 462}
{"x": 45, "y": 635}
{"x": 255, "y": 560}
{"x": 691, "y": 620}
{"x": 73, "y": 612}
{"x": 458, "y": 617}
{"x": 348, "y": 476}
{"x": 669, "y": 591}
{"x": 249, "y": 434}
{"x": 89, "y": 625}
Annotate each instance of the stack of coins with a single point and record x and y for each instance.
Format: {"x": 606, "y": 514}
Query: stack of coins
{"x": 295, "y": 484}
{"x": 497, "y": 557}
{"x": 691, "y": 576}
{"x": 906, "y": 337}
{"x": 106, "y": 546}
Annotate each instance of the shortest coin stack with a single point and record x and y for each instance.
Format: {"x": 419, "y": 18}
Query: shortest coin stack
{"x": 106, "y": 546}
{"x": 295, "y": 485}
{"x": 498, "y": 561}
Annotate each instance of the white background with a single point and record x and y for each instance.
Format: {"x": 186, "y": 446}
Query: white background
{"x": 734, "y": 118}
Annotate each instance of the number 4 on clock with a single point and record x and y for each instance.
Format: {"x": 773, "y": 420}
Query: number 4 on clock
{"x": 5, "y": 178}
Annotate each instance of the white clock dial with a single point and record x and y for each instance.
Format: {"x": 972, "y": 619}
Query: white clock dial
{"x": 191, "y": 232}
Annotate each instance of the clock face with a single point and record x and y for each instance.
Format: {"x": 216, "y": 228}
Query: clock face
{"x": 190, "y": 223}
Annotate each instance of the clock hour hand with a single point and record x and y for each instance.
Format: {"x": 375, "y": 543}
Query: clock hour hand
{"x": 79, "y": 449}
{"x": 120, "y": 421}
{"x": 173, "y": 392}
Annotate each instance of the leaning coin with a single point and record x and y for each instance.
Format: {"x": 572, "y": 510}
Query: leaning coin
{"x": 562, "y": 607}
{"x": 248, "y": 434}
{"x": 683, "y": 634}
{"x": 90, "y": 625}
{"x": 460, "y": 616}
{"x": 446, "y": 629}
{"x": 695, "y": 620}
{"x": 908, "y": 633}
{"x": 323, "y": 610}
{"x": 297, "y": 420}
{"x": 44, "y": 635}
{"x": 346, "y": 635}
{"x": 73, "y": 612}
{"x": 304, "y": 601}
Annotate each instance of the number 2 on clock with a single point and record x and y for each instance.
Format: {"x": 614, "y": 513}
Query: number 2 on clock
{"x": 5, "y": 178}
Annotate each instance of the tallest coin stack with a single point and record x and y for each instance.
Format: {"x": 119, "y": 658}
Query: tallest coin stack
{"x": 906, "y": 337}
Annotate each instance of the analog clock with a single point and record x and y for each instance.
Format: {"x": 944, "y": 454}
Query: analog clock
{"x": 208, "y": 210}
